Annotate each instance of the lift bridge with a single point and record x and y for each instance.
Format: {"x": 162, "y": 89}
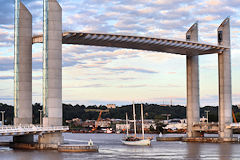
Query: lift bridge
{"x": 53, "y": 38}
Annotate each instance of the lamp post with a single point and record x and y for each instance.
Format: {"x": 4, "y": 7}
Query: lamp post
{"x": 207, "y": 115}
{"x": 40, "y": 117}
{"x": 2, "y": 117}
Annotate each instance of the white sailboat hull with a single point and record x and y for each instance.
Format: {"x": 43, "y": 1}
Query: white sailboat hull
{"x": 142, "y": 142}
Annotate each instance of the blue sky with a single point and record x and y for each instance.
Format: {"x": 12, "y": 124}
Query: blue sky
{"x": 100, "y": 75}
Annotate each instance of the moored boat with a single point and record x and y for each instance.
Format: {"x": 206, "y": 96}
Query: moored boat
{"x": 134, "y": 140}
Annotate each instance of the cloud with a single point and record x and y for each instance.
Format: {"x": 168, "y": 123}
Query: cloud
{"x": 6, "y": 11}
{"x": 6, "y": 77}
{"x": 129, "y": 69}
{"x": 171, "y": 72}
{"x": 6, "y": 39}
{"x": 4, "y": 98}
{"x": 6, "y": 63}
{"x": 132, "y": 86}
{"x": 85, "y": 86}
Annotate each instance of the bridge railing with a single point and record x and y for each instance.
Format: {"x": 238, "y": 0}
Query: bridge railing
{"x": 233, "y": 125}
{"x": 206, "y": 123}
{"x": 31, "y": 128}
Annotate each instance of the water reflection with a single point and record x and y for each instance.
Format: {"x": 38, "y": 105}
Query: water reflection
{"x": 193, "y": 151}
{"x": 225, "y": 151}
{"x": 112, "y": 148}
{"x": 30, "y": 155}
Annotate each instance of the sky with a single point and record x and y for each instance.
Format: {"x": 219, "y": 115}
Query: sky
{"x": 101, "y": 75}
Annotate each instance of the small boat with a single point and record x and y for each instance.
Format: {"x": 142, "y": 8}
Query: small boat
{"x": 160, "y": 134}
{"x": 134, "y": 140}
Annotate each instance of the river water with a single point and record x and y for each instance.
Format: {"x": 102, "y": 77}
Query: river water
{"x": 110, "y": 147}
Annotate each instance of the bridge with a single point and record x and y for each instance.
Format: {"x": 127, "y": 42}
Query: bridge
{"x": 135, "y": 42}
{"x": 30, "y": 130}
{"x": 212, "y": 127}
{"x": 53, "y": 38}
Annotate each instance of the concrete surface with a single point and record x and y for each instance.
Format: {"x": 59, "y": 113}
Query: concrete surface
{"x": 193, "y": 115}
{"x": 225, "y": 84}
{"x": 22, "y": 65}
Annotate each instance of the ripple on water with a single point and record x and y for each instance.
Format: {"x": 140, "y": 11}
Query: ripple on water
{"x": 111, "y": 148}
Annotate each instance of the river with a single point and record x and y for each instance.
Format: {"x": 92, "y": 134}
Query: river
{"x": 110, "y": 147}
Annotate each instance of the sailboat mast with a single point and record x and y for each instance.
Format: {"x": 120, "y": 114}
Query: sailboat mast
{"x": 142, "y": 121}
{"x": 127, "y": 123}
{"x": 134, "y": 120}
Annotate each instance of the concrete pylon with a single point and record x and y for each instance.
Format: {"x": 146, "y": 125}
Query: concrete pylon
{"x": 22, "y": 69}
{"x": 52, "y": 63}
{"x": 22, "y": 65}
{"x": 225, "y": 84}
{"x": 192, "y": 85}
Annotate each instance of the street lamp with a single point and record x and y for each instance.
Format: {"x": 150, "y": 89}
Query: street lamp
{"x": 40, "y": 117}
{"x": 2, "y": 117}
{"x": 207, "y": 115}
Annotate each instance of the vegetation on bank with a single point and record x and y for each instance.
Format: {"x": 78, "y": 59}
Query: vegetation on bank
{"x": 152, "y": 111}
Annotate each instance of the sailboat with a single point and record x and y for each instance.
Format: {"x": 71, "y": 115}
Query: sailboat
{"x": 134, "y": 140}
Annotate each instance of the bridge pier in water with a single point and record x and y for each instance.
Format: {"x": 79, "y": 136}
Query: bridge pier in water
{"x": 225, "y": 85}
{"x": 52, "y": 64}
{"x": 22, "y": 69}
{"x": 50, "y": 138}
{"x": 52, "y": 70}
{"x": 193, "y": 115}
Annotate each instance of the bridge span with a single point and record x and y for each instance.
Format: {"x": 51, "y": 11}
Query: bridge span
{"x": 181, "y": 47}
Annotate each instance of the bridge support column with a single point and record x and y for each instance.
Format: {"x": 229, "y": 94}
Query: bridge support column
{"x": 23, "y": 139}
{"x": 50, "y": 138}
{"x": 225, "y": 86}
{"x": 52, "y": 63}
{"x": 192, "y": 85}
{"x": 22, "y": 65}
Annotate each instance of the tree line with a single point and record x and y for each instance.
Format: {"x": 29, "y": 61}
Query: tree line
{"x": 151, "y": 111}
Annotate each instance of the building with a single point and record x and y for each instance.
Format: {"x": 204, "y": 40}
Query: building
{"x": 103, "y": 123}
{"x": 120, "y": 127}
{"x": 176, "y": 124}
{"x": 88, "y": 123}
{"x": 75, "y": 121}
{"x": 238, "y": 106}
{"x": 149, "y": 123}
{"x": 113, "y": 106}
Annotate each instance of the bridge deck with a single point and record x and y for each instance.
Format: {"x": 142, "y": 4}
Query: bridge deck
{"x": 202, "y": 126}
{"x": 135, "y": 42}
{"x": 30, "y": 129}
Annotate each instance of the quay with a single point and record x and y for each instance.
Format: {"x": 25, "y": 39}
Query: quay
{"x": 199, "y": 139}
{"x": 60, "y": 148}
{"x": 169, "y": 138}
{"x": 77, "y": 148}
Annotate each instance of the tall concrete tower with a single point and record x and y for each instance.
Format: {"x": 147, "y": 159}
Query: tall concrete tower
{"x": 225, "y": 84}
{"x": 193, "y": 114}
{"x": 52, "y": 63}
{"x": 22, "y": 65}
{"x": 22, "y": 69}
